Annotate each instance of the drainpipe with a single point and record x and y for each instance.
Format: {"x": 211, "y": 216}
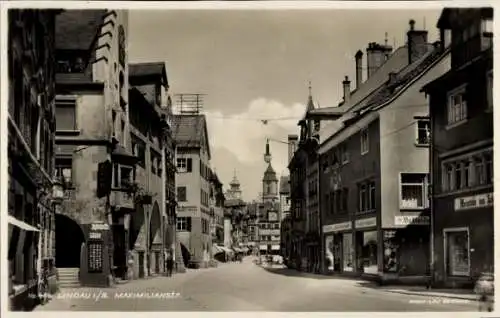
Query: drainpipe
{"x": 431, "y": 203}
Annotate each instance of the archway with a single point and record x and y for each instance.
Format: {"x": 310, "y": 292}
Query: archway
{"x": 136, "y": 223}
{"x": 185, "y": 255}
{"x": 154, "y": 224}
{"x": 69, "y": 239}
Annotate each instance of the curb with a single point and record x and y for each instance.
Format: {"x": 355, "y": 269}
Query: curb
{"x": 466, "y": 297}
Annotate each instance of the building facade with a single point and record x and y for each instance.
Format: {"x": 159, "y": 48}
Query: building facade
{"x": 235, "y": 211}
{"x": 269, "y": 211}
{"x": 375, "y": 205}
{"x": 93, "y": 153}
{"x": 193, "y": 188}
{"x": 217, "y": 206}
{"x": 150, "y": 114}
{"x": 31, "y": 135}
{"x": 305, "y": 212}
{"x": 461, "y": 110}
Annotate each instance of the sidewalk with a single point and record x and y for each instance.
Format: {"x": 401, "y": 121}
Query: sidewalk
{"x": 440, "y": 293}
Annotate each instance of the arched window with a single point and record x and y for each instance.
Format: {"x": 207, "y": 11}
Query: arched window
{"x": 121, "y": 45}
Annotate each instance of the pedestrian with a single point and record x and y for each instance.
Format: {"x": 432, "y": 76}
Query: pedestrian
{"x": 484, "y": 288}
{"x": 170, "y": 263}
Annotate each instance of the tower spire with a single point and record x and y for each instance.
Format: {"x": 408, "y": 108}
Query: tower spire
{"x": 310, "y": 89}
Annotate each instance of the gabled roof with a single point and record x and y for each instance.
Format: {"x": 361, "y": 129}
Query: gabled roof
{"x": 152, "y": 69}
{"x": 190, "y": 131}
{"x": 77, "y": 29}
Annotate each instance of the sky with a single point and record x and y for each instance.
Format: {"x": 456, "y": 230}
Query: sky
{"x": 257, "y": 64}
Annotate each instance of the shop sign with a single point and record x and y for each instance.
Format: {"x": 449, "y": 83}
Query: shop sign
{"x": 95, "y": 235}
{"x": 411, "y": 219}
{"x": 368, "y": 222}
{"x": 337, "y": 227}
{"x": 99, "y": 227}
{"x": 192, "y": 209}
{"x": 474, "y": 202}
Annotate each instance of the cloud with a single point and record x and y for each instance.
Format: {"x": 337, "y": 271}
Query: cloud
{"x": 244, "y": 136}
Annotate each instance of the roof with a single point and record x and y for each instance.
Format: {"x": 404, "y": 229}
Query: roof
{"x": 234, "y": 203}
{"x": 284, "y": 184}
{"x": 77, "y": 29}
{"x": 390, "y": 90}
{"x": 190, "y": 131}
{"x": 397, "y": 61}
{"x": 149, "y": 69}
{"x": 270, "y": 174}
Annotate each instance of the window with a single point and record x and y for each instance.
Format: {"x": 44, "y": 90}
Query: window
{"x": 184, "y": 165}
{"x": 364, "y": 141}
{"x": 413, "y": 188}
{"x": 125, "y": 176}
{"x": 345, "y": 198}
{"x": 344, "y": 154}
{"x": 489, "y": 90}
{"x": 457, "y": 252}
{"x": 423, "y": 132}
{"x": 153, "y": 162}
{"x": 368, "y": 258}
{"x": 113, "y": 122}
{"x": 66, "y": 115}
{"x": 181, "y": 194}
{"x": 468, "y": 172}
{"x": 122, "y": 131}
{"x": 184, "y": 224}
{"x": 367, "y": 196}
{"x": 487, "y": 26}
{"x": 457, "y": 106}
{"x": 348, "y": 252}
{"x": 64, "y": 170}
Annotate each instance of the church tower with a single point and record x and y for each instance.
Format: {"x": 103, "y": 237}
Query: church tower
{"x": 234, "y": 192}
{"x": 270, "y": 181}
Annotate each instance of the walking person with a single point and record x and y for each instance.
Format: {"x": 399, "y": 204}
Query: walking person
{"x": 170, "y": 263}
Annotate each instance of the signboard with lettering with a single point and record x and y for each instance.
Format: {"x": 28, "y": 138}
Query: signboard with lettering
{"x": 337, "y": 227}
{"x": 269, "y": 232}
{"x": 192, "y": 209}
{"x": 474, "y": 202}
{"x": 363, "y": 223}
{"x": 411, "y": 219}
{"x": 99, "y": 227}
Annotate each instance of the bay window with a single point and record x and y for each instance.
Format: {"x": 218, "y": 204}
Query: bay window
{"x": 468, "y": 171}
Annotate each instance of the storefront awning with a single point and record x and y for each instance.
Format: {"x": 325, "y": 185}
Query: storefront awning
{"x": 216, "y": 250}
{"x": 22, "y": 225}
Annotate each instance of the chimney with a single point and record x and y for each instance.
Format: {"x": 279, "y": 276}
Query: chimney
{"x": 376, "y": 55}
{"x": 417, "y": 43}
{"x": 359, "y": 68}
{"x": 292, "y": 146}
{"x": 347, "y": 89}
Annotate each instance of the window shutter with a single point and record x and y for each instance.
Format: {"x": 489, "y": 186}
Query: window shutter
{"x": 189, "y": 164}
{"x": 188, "y": 224}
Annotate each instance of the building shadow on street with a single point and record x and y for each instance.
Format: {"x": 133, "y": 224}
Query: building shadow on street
{"x": 294, "y": 273}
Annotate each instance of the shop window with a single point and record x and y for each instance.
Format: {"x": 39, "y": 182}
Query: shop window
{"x": 413, "y": 188}
{"x": 457, "y": 106}
{"x": 457, "y": 252}
{"x": 368, "y": 257}
{"x": 182, "y": 194}
{"x": 348, "y": 252}
{"x": 329, "y": 250}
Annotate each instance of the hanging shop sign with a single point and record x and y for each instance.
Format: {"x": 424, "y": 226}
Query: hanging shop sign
{"x": 474, "y": 202}
{"x": 364, "y": 223}
{"x": 403, "y": 220}
{"x": 344, "y": 226}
